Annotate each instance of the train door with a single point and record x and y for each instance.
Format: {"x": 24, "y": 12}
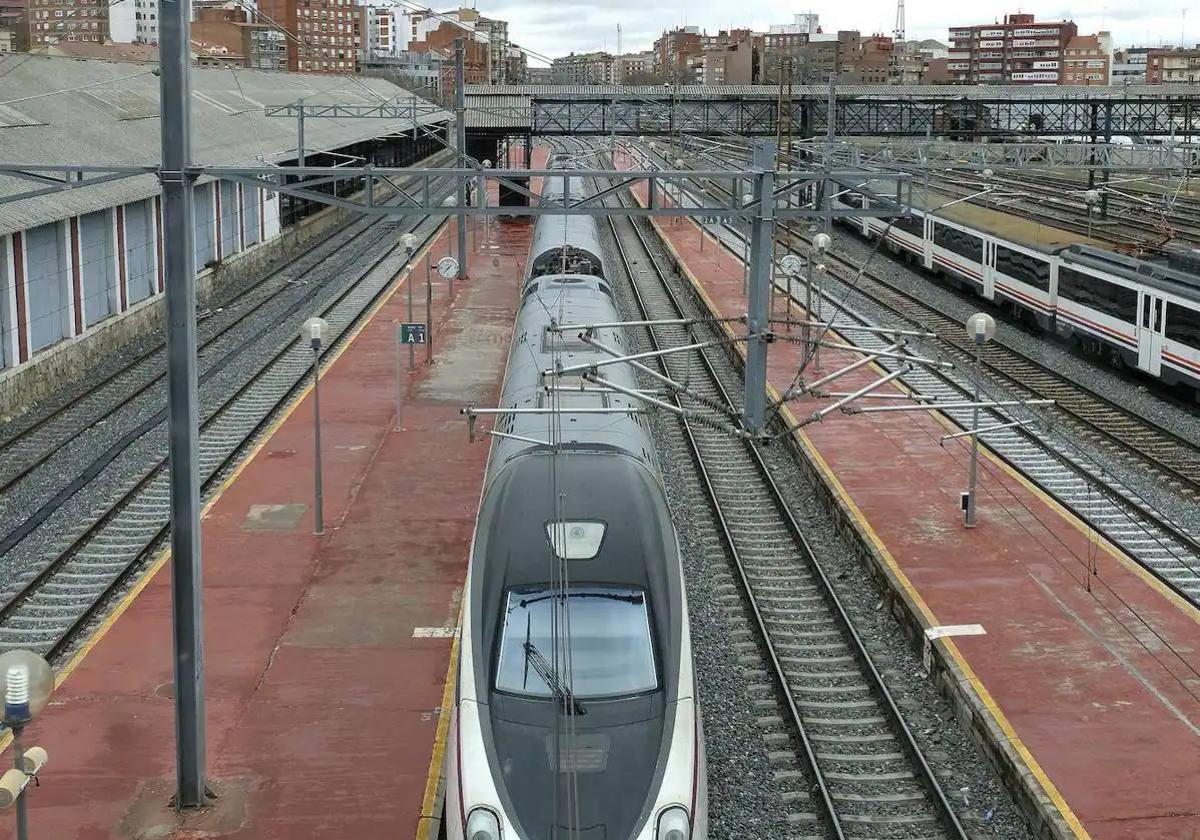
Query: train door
{"x": 988, "y": 267}
{"x": 1150, "y": 332}
{"x": 927, "y": 242}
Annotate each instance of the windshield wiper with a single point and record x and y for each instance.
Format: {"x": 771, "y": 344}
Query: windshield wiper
{"x": 549, "y": 676}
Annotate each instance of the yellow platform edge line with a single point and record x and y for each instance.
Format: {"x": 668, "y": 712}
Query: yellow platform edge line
{"x": 433, "y": 779}
{"x": 164, "y": 554}
{"x": 976, "y": 684}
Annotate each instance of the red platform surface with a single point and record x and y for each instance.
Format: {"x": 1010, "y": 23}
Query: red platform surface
{"x": 324, "y": 697}
{"x": 1097, "y": 690}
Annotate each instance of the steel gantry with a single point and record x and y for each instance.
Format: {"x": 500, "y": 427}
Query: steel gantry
{"x": 860, "y": 110}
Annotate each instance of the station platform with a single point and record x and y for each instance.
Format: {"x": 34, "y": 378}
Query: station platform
{"x": 1088, "y": 683}
{"x": 326, "y": 657}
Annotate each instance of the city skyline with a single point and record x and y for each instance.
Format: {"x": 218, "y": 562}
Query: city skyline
{"x": 574, "y": 26}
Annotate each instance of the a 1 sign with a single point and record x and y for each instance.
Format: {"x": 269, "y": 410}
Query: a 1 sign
{"x": 412, "y": 333}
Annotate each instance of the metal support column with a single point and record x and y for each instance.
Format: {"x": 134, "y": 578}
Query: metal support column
{"x": 830, "y": 130}
{"x": 762, "y": 234}
{"x": 300, "y": 135}
{"x": 1108, "y": 120}
{"x": 183, "y": 426}
{"x": 460, "y": 132}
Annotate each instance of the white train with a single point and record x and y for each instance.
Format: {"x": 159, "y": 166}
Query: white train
{"x": 575, "y": 714}
{"x": 1143, "y": 314}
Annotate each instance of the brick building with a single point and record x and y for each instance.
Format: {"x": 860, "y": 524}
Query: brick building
{"x": 1087, "y": 60}
{"x": 1023, "y": 51}
{"x": 256, "y": 45}
{"x": 672, "y": 51}
{"x": 49, "y": 21}
{"x": 327, "y": 31}
{"x": 1173, "y": 66}
{"x": 476, "y": 58}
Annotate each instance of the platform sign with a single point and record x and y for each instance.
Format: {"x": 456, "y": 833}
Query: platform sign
{"x": 412, "y": 333}
{"x": 710, "y": 220}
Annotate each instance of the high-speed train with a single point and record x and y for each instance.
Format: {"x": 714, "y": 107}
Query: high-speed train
{"x": 1142, "y": 314}
{"x": 576, "y": 713}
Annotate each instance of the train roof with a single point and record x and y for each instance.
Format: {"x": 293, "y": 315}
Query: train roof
{"x": 1176, "y": 274}
{"x": 551, "y": 233}
{"x": 1018, "y": 229}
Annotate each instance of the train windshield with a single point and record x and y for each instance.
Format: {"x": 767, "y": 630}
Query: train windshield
{"x": 610, "y": 652}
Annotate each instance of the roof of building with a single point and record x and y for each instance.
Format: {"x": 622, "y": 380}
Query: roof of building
{"x": 77, "y": 111}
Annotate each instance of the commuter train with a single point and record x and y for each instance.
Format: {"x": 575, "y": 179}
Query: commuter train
{"x": 576, "y": 713}
{"x": 1142, "y": 314}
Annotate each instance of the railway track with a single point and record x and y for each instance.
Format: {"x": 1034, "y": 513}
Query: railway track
{"x": 45, "y": 607}
{"x": 1053, "y": 460}
{"x": 1163, "y": 547}
{"x": 1169, "y": 456}
{"x": 834, "y": 733}
{"x": 1165, "y": 454}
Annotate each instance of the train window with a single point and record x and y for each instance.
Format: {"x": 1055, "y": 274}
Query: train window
{"x": 1183, "y": 325}
{"x": 959, "y": 242}
{"x": 912, "y": 224}
{"x": 1101, "y": 295}
{"x": 1023, "y": 267}
{"x": 610, "y": 652}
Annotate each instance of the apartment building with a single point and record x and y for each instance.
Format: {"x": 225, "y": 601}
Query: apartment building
{"x": 232, "y": 35}
{"x": 379, "y": 27}
{"x": 491, "y": 32}
{"x": 635, "y": 68}
{"x": 592, "y": 68}
{"x": 1087, "y": 60}
{"x": 51, "y": 21}
{"x": 672, "y": 51}
{"x": 1129, "y": 65}
{"x": 1020, "y": 51}
{"x": 1173, "y": 66}
{"x": 327, "y": 33}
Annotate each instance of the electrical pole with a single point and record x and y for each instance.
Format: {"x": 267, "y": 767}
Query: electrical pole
{"x": 180, "y": 295}
{"x": 300, "y": 134}
{"x": 758, "y": 296}
{"x": 460, "y": 132}
{"x": 830, "y": 126}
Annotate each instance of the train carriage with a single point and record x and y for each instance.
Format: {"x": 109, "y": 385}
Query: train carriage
{"x": 1143, "y": 314}
{"x": 575, "y": 712}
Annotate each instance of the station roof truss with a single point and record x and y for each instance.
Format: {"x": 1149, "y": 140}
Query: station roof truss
{"x": 860, "y": 110}
{"x": 753, "y": 193}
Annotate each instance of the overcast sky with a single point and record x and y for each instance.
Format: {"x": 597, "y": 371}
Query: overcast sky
{"x": 556, "y": 27}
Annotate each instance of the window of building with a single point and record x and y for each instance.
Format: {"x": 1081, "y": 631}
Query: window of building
{"x": 611, "y": 647}
{"x": 1101, "y": 295}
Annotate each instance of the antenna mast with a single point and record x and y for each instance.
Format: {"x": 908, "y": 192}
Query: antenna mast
{"x": 897, "y": 64}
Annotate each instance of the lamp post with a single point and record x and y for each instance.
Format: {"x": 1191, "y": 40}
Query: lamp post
{"x": 409, "y": 241}
{"x": 981, "y": 327}
{"x": 28, "y": 682}
{"x": 315, "y": 330}
{"x": 812, "y": 348}
{"x": 1091, "y": 198}
{"x": 790, "y": 264}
